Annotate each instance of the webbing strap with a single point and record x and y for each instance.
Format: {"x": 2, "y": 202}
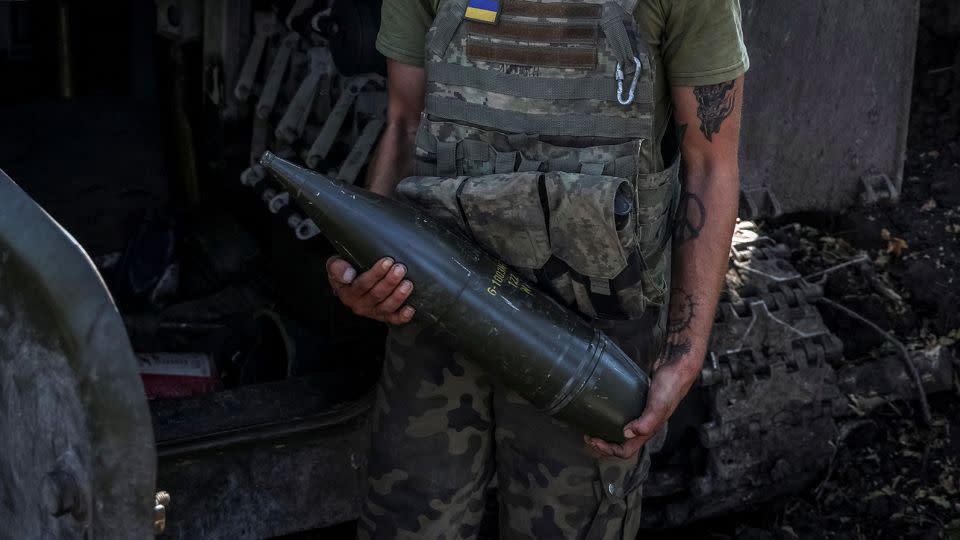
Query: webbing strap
{"x": 632, "y": 274}
{"x": 657, "y": 179}
{"x": 629, "y": 5}
{"x": 505, "y": 162}
{"x": 446, "y": 158}
{"x": 583, "y": 125}
{"x": 473, "y": 150}
{"x": 592, "y": 169}
{"x": 528, "y": 165}
{"x": 655, "y": 195}
{"x": 616, "y": 32}
{"x": 569, "y": 163}
{"x": 599, "y": 286}
{"x": 512, "y": 84}
{"x": 446, "y": 26}
{"x": 449, "y": 152}
{"x": 606, "y": 306}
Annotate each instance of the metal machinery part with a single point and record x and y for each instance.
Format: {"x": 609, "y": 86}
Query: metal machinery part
{"x": 317, "y": 83}
{"x": 76, "y": 447}
{"x": 828, "y": 99}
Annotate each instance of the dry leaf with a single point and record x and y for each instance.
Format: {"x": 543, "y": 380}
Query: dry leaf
{"x": 929, "y": 205}
{"x": 789, "y": 530}
{"x": 896, "y": 245}
{"x": 933, "y": 153}
{"x": 940, "y": 501}
{"x": 948, "y": 484}
{"x": 953, "y": 228}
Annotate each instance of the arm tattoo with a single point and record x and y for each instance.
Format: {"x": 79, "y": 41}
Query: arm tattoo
{"x": 715, "y": 103}
{"x": 682, "y": 311}
{"x": 691, "y": 217}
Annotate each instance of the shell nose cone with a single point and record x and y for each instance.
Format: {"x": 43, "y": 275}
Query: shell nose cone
{"x": 289, "y": 175}
{"x": 267, "y": 158}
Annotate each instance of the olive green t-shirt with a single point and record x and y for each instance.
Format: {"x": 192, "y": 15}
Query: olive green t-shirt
{"x": 697, "y": 42}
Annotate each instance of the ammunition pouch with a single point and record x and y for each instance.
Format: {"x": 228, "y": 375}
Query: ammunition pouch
{"x": 596, "y": 242}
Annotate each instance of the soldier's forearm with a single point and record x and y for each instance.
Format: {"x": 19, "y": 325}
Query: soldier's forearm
{"x": 393, "y": 159}
{"x": 706, "y": 216}
{"x": 705, "y": 225}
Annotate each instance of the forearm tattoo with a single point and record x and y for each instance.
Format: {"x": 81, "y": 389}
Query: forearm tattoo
{"x": 691, "y": 217}
{"x": 683, "y": 309}
{"x": 715, "y": 103}
{"x": 691, "y": 212}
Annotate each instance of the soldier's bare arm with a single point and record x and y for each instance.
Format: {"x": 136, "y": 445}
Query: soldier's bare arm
{"x": 380, "y": 293}
{"x": 393, "y": 159}
{"x": 708, "y": 120}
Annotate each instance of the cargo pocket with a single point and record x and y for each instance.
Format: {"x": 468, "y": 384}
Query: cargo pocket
{"x": 656, "y": 196}
{"x": 620, "y": 487}
{"x": 583, "y": 223}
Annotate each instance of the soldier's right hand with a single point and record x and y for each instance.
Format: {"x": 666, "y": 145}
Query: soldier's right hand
{"x": 378, "y": 293}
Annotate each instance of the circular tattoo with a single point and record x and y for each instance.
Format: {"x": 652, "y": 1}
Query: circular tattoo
{"x": 681, "y": 311}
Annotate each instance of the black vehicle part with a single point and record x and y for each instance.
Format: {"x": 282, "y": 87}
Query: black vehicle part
{"x": 351, "y": 27}
{"x": 76, "y": 447}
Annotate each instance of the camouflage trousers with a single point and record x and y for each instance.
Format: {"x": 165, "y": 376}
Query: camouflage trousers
{"x": 443, "y": 430}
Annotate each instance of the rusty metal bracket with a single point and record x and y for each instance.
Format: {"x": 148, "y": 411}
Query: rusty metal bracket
{"x": 876, "y": 189}
{"x": 761, "y": 201}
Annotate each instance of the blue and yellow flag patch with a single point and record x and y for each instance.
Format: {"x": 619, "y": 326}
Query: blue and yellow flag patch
{"x": 485, "y": 11}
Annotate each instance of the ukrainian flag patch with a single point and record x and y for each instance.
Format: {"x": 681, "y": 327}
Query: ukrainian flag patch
{"x": 485, "y": 11}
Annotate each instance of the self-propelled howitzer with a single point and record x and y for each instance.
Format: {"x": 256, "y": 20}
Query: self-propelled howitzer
{"x": 544, "y": 351}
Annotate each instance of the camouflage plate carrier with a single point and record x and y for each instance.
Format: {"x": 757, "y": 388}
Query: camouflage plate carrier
{"x": 537, "y": 140}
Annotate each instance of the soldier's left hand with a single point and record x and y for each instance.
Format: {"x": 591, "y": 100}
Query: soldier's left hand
{"x": 670, "y": 383}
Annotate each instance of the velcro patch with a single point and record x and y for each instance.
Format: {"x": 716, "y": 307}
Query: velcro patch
{"x": 560, "y": 57}
{"x": 543, "y": 33}
{"x": 485, "y": 11}
{"x": 559, "y": 10}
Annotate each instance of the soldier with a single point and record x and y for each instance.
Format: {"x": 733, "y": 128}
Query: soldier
{"x": 583, "y": 92}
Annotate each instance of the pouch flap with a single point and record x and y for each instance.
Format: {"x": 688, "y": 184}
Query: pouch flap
{"x": 583, "y": 227}
{"x": 505, "y": 215}
{"x": 437, "y": 196}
